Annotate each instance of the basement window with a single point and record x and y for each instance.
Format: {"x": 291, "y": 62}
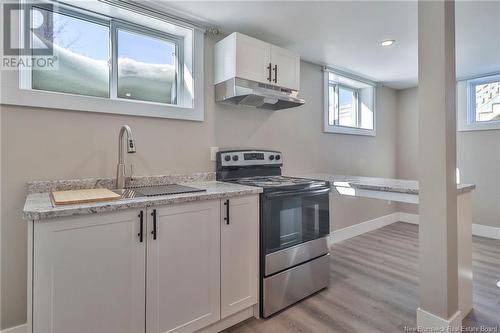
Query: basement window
{"x": 483, "y": 103}
{"x": 82, "y": 47}
{"x": 109, "y": 59}
{"x": 349, "y": 105}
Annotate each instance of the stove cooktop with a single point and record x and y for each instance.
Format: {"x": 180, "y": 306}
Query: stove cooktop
{"x": 276, "y": 181}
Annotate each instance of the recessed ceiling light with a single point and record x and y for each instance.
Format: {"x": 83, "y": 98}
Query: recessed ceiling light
{"x": 498, "y": 284}
{"x": 387, "y": 42}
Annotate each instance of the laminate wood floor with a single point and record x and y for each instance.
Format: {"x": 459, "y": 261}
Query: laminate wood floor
{"x": 374, "y": 288}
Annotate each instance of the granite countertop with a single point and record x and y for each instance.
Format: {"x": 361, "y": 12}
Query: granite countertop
{"x": 39, "y": 205}
{"x": 377, "y": 184}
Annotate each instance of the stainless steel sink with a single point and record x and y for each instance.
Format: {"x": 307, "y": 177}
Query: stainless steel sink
{"x": 156, "y": 190}
{"x": 127, "y": 193}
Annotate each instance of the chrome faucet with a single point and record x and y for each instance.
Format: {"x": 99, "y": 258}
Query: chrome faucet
{"x": 120, "y": 170}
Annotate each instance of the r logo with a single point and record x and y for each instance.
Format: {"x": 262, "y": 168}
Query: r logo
{"x": 38, "y": 32}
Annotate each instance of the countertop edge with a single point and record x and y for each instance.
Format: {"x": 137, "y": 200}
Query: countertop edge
{"x": 461, "y": 188}
{"x": 402, "y": 186}
{"x": 113, "y": 206}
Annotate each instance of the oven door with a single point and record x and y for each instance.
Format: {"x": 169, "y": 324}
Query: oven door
{"x": 291, "y": 218}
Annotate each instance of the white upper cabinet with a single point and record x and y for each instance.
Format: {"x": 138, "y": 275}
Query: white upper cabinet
{"x": 245, "y": 57}
{"x": 252, "y": 59}
{"x": 285, "y": 68}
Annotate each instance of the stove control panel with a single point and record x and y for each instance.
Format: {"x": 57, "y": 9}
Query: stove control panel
{"x": 235, "y": 158}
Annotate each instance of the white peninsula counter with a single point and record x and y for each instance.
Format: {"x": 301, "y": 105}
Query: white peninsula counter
{"x": 400, "y": 190}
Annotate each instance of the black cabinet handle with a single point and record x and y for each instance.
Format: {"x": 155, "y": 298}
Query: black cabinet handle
{"x": 227, "y": 211}
{"x": 153, "y": 214}
{"x": 141, "y": 226}
{"x": 275, "y": 73}
{"x": 269, "y": 78}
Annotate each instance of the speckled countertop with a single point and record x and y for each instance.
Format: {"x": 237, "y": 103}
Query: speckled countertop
{"x": 377, "y": 184}
{"x": 39, "y": 205}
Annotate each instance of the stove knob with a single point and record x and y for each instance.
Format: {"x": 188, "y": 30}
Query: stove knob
{"x": 278, "y": 157}
{"x": 271, "y": 157}
{"x": 227, "y": 158}
{"x": 235, "y": 158}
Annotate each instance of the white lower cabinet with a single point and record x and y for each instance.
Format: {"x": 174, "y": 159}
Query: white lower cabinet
{"x": 89, "y": 274}
{"x": 183, "y": 268}
{"x": 190, "y": 269}
{"x": 239, "y": 254}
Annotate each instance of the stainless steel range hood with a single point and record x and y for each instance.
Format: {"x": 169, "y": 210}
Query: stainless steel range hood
{"x": 238, "y": 91}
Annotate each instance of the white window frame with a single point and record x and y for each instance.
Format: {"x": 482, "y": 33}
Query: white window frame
{"x": 338, "y": 129}
{"x": 467, "y": 119}
{"x": 144, "y": 31}
{"x": 16, "y": 84}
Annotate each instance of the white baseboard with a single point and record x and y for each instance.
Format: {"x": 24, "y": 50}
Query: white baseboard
{"x": 16, "y": 329}
{"x": 428, "y": 322}
{"x": 408, "y": 218}
{"x": 477, "y": 229}
{"x": 361, "y": 228}
{"x": 485, "y": 231}
{"x": 379, "y": 222}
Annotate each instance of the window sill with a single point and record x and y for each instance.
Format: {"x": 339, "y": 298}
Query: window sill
{"x": 486, "y": 126}
{"x": 53, "y": 100}
{"x": 349, "y": 130}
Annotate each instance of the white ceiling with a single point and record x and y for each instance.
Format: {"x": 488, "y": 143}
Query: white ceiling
{"x": 346, "y": 34}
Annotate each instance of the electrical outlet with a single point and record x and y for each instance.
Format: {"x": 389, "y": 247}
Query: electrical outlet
{"x": 213, "y": 152}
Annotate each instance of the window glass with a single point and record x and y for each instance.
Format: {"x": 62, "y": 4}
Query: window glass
{"x": 146, "y": 68}
{"x": 82, "y": 51}
{"x": 487, "y": 98}
{"x": 347, "y": 108}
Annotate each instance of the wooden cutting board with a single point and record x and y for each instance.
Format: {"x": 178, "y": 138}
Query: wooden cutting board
{"x": 83, "y": 196}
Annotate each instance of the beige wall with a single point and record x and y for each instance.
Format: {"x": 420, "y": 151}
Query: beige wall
{"x": 478, "y": 157}
{"x": 407, "y": 140}
{"x": 50, "y": 144}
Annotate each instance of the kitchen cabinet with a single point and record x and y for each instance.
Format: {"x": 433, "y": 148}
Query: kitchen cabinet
{"x": 89, "y": 274}
{"x": 175, "y": 268}
{"x": 239, "y": 254}
{"x": 183, "y": 267}
{"x": 285, "y": 68}
{"x": 245, "y": 57}
{"x": 252, "y": 58}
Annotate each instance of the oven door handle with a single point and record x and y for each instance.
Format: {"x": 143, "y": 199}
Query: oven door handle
{"x": 292, "y": 193}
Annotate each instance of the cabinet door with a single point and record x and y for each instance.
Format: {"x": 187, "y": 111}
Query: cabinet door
{"x": 253, "y": 57}
{"x": 239, "y": 254}
{"x": 286, "y": 68}
{"x": 89, "y": 274}
{"x": 183, "y": 267}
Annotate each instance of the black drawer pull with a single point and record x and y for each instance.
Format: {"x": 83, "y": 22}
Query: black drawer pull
{"x": 141, "y": 226}
{"x": 227, "y": 211}
{"x": 153, "y": 214}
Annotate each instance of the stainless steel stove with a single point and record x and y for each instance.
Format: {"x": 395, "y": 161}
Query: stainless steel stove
{"x": 294, "y": 223}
